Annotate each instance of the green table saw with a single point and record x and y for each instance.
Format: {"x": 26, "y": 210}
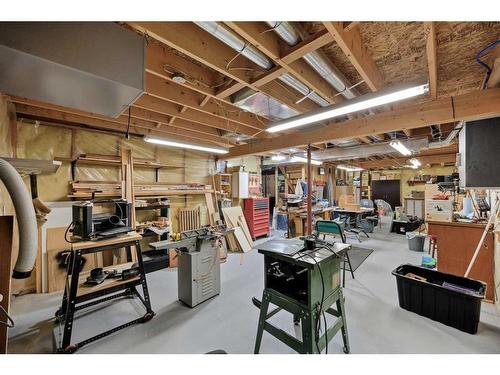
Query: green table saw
{"x": 302, "y": 276}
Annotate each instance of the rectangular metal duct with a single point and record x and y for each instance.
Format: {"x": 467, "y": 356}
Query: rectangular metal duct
{"x": 365, "y": 151}
{"x": 95, "y": 67}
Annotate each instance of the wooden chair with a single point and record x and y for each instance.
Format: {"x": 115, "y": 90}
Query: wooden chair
{"x": 332, "y": 227}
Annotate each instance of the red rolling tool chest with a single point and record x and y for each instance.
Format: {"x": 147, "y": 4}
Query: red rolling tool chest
{"x": 256, "y": 212}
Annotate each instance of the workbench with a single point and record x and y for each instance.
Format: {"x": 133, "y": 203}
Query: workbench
{"x": 456, "y": 243}
{"x": 77, "y": 295}
{"x": 298, "y": 219}
{"x": 305, "y": 283}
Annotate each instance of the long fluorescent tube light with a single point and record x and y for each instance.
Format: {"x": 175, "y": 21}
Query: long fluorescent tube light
{"x": 415, "y": 162}
{"x": 349, "y": 169}
{"x": 190, "y": 146}
{"x": 278, "y": 157}
{"x": 300, "y": 159}
{"x": 401, "y": 148}
{"x": 354, "y": 105}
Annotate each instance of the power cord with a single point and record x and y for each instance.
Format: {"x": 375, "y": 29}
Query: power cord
{"x": 318, "y": 319}
{"x": 9, "y": 323}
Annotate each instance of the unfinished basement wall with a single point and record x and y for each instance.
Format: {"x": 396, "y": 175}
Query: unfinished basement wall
{"x": 405, "y": 175}
{"x": 47, "y": 142}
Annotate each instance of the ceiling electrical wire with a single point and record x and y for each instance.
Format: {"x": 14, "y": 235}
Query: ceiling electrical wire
{"x": 481, "y": 53}
{"x": 127, "y": 134}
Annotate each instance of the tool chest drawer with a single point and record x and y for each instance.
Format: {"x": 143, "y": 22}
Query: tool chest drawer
{"x": 256, "y": 212}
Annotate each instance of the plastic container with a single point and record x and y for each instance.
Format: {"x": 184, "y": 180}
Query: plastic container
{"x": 416, "y": 241}
{"x": 448, "y": 299}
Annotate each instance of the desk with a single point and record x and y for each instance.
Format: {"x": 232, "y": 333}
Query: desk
{"x": 299, "y": 217}
{"x": 78, "y": 296}
{"x": 456, "y": 243}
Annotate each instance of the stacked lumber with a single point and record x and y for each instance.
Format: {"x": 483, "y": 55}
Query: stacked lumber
{"x": 84, "y": 189}
{"x": 240, "y": 239}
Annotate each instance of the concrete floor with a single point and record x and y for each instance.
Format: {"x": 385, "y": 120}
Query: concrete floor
{"x": 376, "y": 323}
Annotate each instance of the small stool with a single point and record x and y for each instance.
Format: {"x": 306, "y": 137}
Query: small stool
{"x": 432, "y": 245}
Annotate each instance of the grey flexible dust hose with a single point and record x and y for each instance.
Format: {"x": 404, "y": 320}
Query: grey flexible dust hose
{"x": 26, "y": 220}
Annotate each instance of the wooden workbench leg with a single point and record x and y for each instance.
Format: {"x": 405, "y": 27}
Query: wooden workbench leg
{"x": 341, "y": 310}
{"x": 262, "y": 320}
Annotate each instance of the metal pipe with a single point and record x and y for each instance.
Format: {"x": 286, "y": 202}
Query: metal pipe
{"x": 26, "y": 220}
{"x": 309, "y": 192}
{"x": 316, "y": 59}
{"x": 447, "y": 141}
{"x": 253, "y": 54}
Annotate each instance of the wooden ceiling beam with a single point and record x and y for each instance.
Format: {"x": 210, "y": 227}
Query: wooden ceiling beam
{"x": 351, "y": 43}
{"x": 176, "y": 93}
{"x": 171, "y": 109}
{"x": 269, "y": 44}
{"x": 430, "y": 37}
{"x": 196, "y": 43}
{"x": 308, "y": 45}
{"x": 161, "y": 119}
{"x": 474, "y": 105}
{"x": 427, "y": 159}
{"x": 137, "y": 126}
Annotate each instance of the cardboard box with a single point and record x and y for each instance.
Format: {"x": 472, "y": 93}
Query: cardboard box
{"x": 439, "y": 210}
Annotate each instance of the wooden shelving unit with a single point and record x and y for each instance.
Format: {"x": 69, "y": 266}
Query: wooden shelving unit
{"x": 223, "y": 182}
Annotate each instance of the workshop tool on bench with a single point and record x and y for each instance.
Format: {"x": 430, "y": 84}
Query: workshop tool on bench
{"x": 98, "y": 275}
{"x": 302, "y": 276}
{"x": 198, "y": 272}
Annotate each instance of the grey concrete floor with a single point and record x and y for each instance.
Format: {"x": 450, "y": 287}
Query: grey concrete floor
{"x": 376, "y": 323}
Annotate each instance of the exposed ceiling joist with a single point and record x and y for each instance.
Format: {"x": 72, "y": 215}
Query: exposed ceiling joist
{"x": 353, "y": 47}
{"x": 269, "y": 44}
{"x": 176, "y": 93}
{"x": 474, "y": 105}
{"x": 398, "y": 162}
{"x": 310, "y": 44}
{"x": 199, "y": 45}
{"x": 171, "y": 109}
{"x": 139, "y": 127}
{"x": 180, "y": 123}
{"x": 430, "y": 35}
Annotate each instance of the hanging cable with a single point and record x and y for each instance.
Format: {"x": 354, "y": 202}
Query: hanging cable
{"x": 127, "y": 134}
{"x": 9, "y": 322}
{"x": 482, "y": 63}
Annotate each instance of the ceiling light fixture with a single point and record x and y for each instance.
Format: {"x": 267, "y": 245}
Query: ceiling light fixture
{"x": 165, "y": 142}
{"x": 300, "y": 159}
{"x": 278, "y": 157}
{"x": 349, "y": 168}
{"x": 354, "y": 105}
{"x": 415, "y": 163}
{"x": 401, "y": 148}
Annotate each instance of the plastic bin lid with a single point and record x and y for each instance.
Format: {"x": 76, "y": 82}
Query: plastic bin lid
{"x": 410, "y": 235}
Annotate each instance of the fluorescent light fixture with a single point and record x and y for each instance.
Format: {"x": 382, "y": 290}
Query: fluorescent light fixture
{"x": 415, "y": 162}
{"x": 349, "y": 168}
{"x": 165, "y": 142}
{"x": 300, "y": 159}
{"x": 278, "y": 157}
{"x": 354, "y": 105}
{"x": 401, "y": 148}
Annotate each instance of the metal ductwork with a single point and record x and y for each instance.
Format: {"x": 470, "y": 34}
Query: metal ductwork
{"x": 95, "y": 67}
{"x": 316, "y": 59}
{"x": 253, "y": 54}
{"x": 449, "y": 139}
{"x": 365, "y": 151}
